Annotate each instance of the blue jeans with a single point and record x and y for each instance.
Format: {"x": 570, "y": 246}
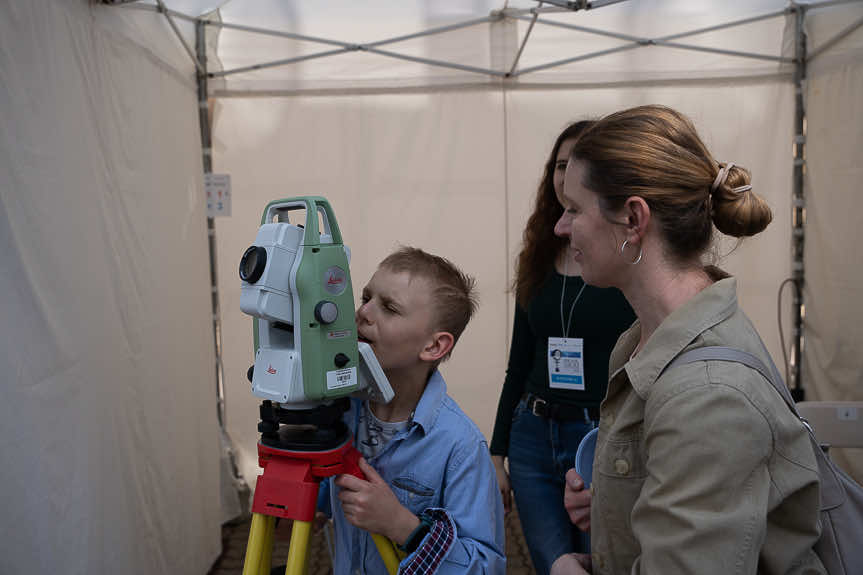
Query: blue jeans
{"x": 541, "y": 451}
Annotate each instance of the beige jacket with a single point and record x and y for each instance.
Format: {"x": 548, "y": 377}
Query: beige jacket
{"x": 702, "y": 469}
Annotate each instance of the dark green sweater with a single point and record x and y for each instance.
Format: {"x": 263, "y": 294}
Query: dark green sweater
{"x": 599, "y": 317}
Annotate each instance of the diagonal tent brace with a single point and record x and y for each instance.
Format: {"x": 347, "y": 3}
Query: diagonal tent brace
{"x": 835, "y": 39}
{"x": 523, "y": 44}
{"x": 370, "y": 47}
{"x": 373, "y": 46}
{"x": 531, "y": 15}
{"x": 169, "y": 15}
{"x": 279, "y": 63}
{"x": 636, "y": 42}
{"x": 438, "y": 63}
{"x": 345, "y": 47}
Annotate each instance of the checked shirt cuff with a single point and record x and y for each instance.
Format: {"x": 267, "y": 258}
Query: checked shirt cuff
{"x": 433, "y": 548}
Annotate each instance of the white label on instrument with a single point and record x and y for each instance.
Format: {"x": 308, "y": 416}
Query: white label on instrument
{"x": 342, "y": 378}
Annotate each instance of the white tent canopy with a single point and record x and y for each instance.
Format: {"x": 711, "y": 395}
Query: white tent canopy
{"x": 111, "y": 439}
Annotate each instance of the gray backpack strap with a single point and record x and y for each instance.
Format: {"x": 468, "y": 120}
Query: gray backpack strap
{"x": 841, "y": 497}
{"x": 722, "y": 353}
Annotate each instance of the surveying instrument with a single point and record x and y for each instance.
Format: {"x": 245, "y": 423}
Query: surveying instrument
{"x": 308, "y": 363}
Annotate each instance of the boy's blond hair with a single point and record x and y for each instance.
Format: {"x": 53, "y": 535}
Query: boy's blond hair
{"x": 453, "y": 292}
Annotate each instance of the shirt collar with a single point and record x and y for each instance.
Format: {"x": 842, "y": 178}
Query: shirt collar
{"x": 706, "y": 309}
{"x": 430, "y": 402}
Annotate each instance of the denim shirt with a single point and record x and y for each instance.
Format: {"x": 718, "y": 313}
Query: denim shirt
{"x": 440, "y": 461}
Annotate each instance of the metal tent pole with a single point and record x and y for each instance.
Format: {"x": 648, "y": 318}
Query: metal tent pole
{"x": 798, "y": 205}
{"x": 207, "y": 153}
{"x": 237, "y": 480}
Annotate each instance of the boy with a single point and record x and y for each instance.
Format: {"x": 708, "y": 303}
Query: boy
{"x": 430, "y": 485}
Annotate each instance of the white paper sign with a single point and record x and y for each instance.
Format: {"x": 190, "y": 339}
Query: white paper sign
{"x": 218, "y": 190}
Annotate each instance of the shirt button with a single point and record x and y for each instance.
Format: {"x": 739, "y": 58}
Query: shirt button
{"x": 608, "y": 418}
{"x": 621, "y": 466}
{"x": 592, "y": 489}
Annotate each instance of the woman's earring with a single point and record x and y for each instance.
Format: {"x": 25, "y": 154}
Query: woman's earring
{"x": 640, "y": 252}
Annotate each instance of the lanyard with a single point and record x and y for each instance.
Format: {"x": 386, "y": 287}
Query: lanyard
{"x": 565, "y": 326}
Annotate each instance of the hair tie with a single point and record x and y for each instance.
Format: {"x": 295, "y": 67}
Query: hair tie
{"x": 721, "y": 176}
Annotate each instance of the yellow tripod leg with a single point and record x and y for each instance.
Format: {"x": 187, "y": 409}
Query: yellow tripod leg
{"x": 388, "y": 553}
{"x": 255, "y": 546}
{"x": 261, "y": 537}
{"x": 299, "y": 548}
{"x": 269, "y": 533}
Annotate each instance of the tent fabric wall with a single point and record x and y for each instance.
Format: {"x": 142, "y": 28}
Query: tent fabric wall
{"x": 832, "y": 366}
{"x": 420, "y": 169}
{"x": 359, "y": 150}
{"x": 454, "y": 173}
{"x": 108, "y": 434}
{"x": 744, "y": 107}
{"x": 110, "y": 442}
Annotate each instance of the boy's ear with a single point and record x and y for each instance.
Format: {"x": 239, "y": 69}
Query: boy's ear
{"x": 440, "y": 344}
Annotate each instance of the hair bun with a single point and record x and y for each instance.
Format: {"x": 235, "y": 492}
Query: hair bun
{"x": 737, "y": 210}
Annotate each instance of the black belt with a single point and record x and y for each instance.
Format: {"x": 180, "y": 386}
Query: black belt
{"x": 538, "y": 406}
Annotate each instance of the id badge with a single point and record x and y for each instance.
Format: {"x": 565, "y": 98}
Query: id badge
{"x": 566, "y": 363}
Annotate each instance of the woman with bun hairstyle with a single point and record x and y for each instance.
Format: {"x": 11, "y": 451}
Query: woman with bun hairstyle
{"x": 550, "y": 397}
{"x": 699, "y": 467}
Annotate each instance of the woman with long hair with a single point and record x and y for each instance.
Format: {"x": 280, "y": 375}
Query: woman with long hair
{"x": 563, "y": 333}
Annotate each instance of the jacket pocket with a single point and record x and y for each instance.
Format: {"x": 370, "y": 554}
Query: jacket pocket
{"x": 622, "y": 458}
{"x": 619, "y": 472}
{"x": 412, "y": 493}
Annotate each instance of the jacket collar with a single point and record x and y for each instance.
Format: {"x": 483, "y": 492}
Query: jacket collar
{"x": 431, "y": 401}
{"x": 706, "y": 309}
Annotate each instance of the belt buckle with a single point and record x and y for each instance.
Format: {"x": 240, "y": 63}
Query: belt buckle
{"x": 538, "y": 401}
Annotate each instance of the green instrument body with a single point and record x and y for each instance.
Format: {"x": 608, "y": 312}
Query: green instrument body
{"x": 327, "y": 352}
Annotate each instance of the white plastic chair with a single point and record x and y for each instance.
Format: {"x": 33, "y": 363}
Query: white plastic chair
{"x": 836, "y": 423}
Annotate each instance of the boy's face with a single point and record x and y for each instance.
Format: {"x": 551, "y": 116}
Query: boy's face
{"x": 394, "y": 317}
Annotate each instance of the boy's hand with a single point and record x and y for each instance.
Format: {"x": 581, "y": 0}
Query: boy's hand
{"x": 370, "y": 504}
{"x": 576, "y": 500}
{"x": 503, "y": 482}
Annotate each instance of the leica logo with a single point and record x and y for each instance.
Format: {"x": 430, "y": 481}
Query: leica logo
{"x": 333, "y": 280}
{"x": 271, "y": 370}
